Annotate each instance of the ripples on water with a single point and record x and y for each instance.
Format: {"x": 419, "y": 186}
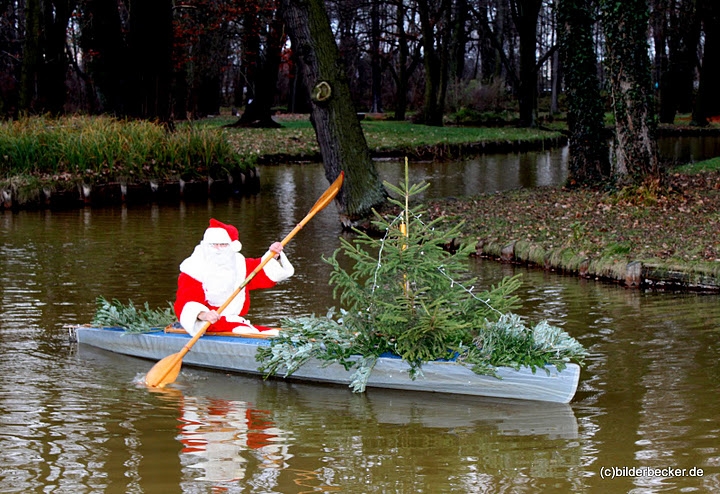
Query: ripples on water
{"x": 76, "y": 420}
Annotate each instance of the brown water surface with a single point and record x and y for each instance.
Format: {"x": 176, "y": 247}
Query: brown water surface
{"x": 75, "y": 420}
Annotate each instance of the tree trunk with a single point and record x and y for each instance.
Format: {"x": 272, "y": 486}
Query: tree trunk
{"x": 589, "y": 163}
{"x": 707, "y": 103}
{"x": 258, "y": 110}
{"x": 432, "y": 111}
{"x": 54, "y": 69}
{"x": 375, "y": 62}
{"x": 459, "y": 40}
{"x": 402, "y": 75}
{"x": 31, "y": 58}
{"x": 525, "y": 15}
{"x": 104, "y": 53}
{"x": 659, "y": 28}
{"x": 150, "y": 51}
{"x": 635, "y": 146}
{"x": 339, "y": 134}
{"x": 676, "y": 81}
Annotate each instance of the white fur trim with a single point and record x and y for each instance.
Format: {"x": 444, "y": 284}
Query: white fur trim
{"x": 237, "y": 303}
{"x": 241, "y": 330}
{"x": 280, "y": 269}
{"x": 188, "y": 317}
{"x": 245, "y": 330}
{"x": 216, "y": 236}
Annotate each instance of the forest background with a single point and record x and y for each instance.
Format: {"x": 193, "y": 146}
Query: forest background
{"x": 474, "y": 59}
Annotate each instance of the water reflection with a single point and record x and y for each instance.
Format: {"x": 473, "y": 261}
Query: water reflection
{"x": 220, "y": 437}
{"x": 332, "y": 434}
{"x": 685, "y": 149}
{"x": 73, "y": 419}
{"x": 484, "y": 174}
{"x": 215, "y": 432}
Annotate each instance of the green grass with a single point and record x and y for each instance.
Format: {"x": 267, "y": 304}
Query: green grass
{"x": 296, "y": 139}
{"x": 104, "y": 149}
{"x": 699, "y": 167}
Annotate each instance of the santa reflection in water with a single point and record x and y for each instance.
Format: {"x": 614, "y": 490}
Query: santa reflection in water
{"x": 220, "y": 437}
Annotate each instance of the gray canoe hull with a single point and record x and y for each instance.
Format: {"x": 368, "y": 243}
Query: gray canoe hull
{"x": 238, "y": 355}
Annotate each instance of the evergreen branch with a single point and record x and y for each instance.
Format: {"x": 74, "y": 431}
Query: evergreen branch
{"x": 130, "y": 318}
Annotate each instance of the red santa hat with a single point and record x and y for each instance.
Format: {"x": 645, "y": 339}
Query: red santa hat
{"x": 221, "y": 233}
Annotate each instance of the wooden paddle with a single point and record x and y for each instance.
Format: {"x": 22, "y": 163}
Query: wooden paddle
{"x": 167, "y": 369}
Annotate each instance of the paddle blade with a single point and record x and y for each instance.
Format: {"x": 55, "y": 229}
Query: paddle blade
{"x": 329, "y": 194}
{"x": 164, "y": 372}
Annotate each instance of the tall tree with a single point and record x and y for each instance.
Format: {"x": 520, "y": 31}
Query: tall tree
{"x": 525, "y": 14}
{"x": 31, "y": 58}
{"x": 150, "y": 47}
{"x": 375, "y": 60}
{"x": 104, "y": 53}
{"x": 589, "y": 162}
{"x": 635, "y": 147}
{"x": 55, "y": 17}
{"x": 404, "y": 63}
{"x": 676, "y": 47}
{"x": 264, "y": 73}
{"x": 434, "y": 25}
{"x": 707, "y": 103}
{"x": 459, "y": 40}
{"x": 10, "y": 57}
{"x": 339, "y": 134}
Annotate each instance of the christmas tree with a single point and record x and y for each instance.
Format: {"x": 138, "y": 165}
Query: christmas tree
{"x": 409, "y": 296}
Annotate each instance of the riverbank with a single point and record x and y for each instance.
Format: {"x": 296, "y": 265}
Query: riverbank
{"x": 662, "y": 238}
{"x": 78, "y": 161}
{"x": 665, "y": 238}
{"x": 72, "y": 161}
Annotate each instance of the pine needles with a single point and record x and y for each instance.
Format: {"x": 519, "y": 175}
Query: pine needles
{"x": 130, "y": 318}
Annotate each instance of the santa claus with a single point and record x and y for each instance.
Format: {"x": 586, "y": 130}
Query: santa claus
{"x": 214, "y": 271}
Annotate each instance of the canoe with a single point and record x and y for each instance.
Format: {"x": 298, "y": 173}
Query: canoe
{"x": 237, "y": 354}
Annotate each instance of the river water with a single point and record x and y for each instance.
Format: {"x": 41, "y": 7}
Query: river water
{"x": 75, "y": 420}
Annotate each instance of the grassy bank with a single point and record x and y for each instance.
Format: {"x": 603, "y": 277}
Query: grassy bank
{"x": 39, "y": 153}
{"x": 296, "y": 140}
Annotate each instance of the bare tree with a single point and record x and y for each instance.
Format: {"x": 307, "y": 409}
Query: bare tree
{"x": 104, "y": 54}
{"x": 434, "y": 24}
{"x": 339, "y": 134}
{"x": 676, "y": 35}
{"x": 525, "y": 14}
{"x": 405, "y": 60}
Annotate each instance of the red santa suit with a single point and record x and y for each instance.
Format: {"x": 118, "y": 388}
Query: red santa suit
{"x": 213, "y": 272}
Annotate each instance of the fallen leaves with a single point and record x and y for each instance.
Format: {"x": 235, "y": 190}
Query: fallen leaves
{"x": 679, "y": 223}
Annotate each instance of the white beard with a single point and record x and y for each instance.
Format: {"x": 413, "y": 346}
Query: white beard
{"x": 220, "y": 271}
{"x": 220, "y": 277}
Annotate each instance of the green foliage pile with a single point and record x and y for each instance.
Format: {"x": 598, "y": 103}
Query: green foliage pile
{"x": 130, "y": 318}
{"x": 406, "y": 295}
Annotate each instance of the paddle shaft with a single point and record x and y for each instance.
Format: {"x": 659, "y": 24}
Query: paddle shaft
{"x": 163, "y": 369}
